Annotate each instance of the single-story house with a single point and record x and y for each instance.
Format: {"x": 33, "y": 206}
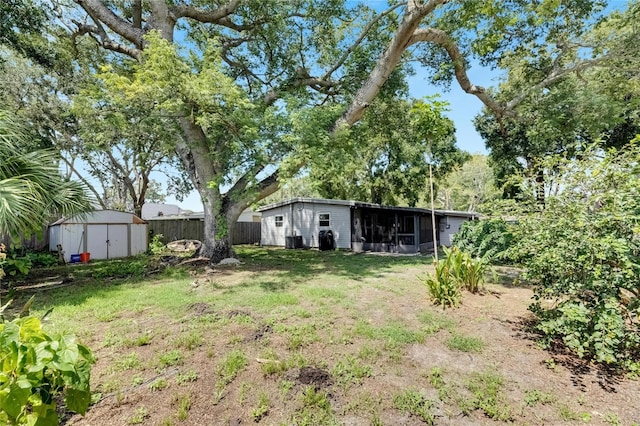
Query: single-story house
{"x": 104, "y": 234}
{"x": 357, "y": 226}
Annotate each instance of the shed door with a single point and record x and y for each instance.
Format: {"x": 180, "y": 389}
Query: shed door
{"x": 97, "y": 236}
{"x": 118, "y": 241}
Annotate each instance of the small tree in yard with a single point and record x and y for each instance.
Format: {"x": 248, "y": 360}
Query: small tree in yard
{"x": 583, "y": 254}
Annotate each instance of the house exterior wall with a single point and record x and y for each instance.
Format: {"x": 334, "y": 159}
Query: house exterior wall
{"x": 150, "y": 210}
{"x": 306, "y": 222}
{"x": 302, "y": 219}
{"x": 270, "y": 234}
{"x": 249, "y": 215}
{"x": 449, "y": 226}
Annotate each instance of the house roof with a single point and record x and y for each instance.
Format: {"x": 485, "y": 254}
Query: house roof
{"x": 362, "y": 204}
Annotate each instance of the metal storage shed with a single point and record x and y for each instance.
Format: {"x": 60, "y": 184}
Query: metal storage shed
{"x": 105, "y": 234}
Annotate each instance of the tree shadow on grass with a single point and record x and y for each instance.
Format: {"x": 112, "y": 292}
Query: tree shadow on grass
{"x": 301, "y": 265}
{"x": 273, "y": 270}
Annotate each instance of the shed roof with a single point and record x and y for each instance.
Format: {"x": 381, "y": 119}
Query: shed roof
{"x": 362, "y": 204}
{"x": 102, "y": 217}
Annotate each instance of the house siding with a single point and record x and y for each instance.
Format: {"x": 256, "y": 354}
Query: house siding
{"x": 303, "y": 219}
{"x": 307, "y": 223}
{"x": 449, "y": 226}
{"x": 270, "y": 234}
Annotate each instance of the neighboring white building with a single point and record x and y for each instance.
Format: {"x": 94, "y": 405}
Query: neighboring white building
{"x": 249, "y": 215}
{"x": 104, "y": 234}
{"x": 357, "y": 226}
{"x": 150, "y": 210}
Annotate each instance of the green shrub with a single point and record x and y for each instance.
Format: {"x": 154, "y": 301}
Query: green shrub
{"x": 36, "y": 368}
{"x": 15, "y": 267}
{"x": 156, "y": 246}
{"x": 442, "y": 286}
{"x": 489, "y": 239}
{"x": 582, "y": 254}
{"x": 468, "y": 272}
{"x": 42, "y": 260}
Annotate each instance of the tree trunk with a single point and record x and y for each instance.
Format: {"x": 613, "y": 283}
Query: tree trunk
{"x": 216, "y": 242}
{"x": 540, "y": 195}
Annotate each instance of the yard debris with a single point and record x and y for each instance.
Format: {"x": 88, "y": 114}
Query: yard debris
{"x": 195, "y": 261}
{"x": 184, "y": 245}
{"x": 229, "y": 261}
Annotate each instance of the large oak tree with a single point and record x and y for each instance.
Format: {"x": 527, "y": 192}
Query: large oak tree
{"x": 260, "y": 87}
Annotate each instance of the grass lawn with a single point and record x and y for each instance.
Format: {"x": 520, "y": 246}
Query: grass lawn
{"x": 308, "y": 338}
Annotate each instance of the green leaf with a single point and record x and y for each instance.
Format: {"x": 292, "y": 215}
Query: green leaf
{"x": 77, "y": 400}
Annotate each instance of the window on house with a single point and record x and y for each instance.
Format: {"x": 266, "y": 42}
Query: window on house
{"x": 279, "y": 220}
{"x": 324, "y": 219}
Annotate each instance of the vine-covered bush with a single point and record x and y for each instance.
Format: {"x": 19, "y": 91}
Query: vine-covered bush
{"x": 36, "y": 368}
{"x": 489, "y": 239}
{"x": 583, "y": 254}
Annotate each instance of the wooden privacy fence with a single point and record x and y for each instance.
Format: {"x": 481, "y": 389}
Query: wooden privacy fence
{"x": 32, "y": 242}
{"x": 193, "y": 229}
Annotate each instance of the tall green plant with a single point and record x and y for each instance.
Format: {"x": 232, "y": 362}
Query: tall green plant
{"x": 36, "y": 368}
{"x": 456, "y": 271}
{"x": 442, "y": 286}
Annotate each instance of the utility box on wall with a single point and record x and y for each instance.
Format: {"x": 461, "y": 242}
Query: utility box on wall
{"x": 293, "y": 242}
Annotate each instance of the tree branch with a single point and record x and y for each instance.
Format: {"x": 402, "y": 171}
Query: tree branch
{"x": 355, "y": 44}
{"x": 443, "y": 40}
{"x": 214, "y": 16}
{"x": 556, "y": 75}
{"x": 85, "y": 182}
{"x": 387, "y": 61}
{"x": 99, "y": 12}
{"x": 103, "y": 40}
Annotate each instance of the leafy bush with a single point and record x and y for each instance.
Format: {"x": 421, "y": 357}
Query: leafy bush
{"x": 18, "y": 263}
{"x": 156, "y": 246}
{"x": 42, "y": 260}
{"x": 489, "y": 239}
{"x": 15, "y": 267}
{"x": 36, "y": 368}
{"x": 582, "y": 252}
